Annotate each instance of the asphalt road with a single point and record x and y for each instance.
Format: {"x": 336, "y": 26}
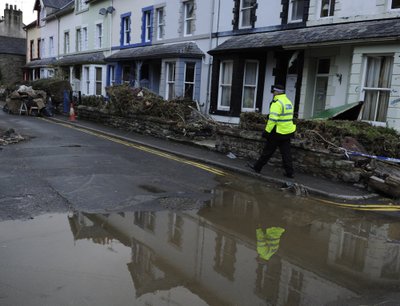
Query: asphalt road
{"x": 59, "y": 167}
{"x": 84, "y": 214}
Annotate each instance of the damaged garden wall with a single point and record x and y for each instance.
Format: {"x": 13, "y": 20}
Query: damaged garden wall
{"x": 378, "y": 175}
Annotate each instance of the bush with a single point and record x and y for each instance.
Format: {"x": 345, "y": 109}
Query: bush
{"x": 93, "y": 101}
{"x": 376, "y": 140}
{"x": 54, "y": 87}
{"x": 252, "y": 121}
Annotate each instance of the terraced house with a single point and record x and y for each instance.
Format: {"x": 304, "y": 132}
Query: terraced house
{"x": 227, "y": 54}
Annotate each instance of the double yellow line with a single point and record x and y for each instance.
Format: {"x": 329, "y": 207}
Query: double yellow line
{"x": 363, "y": 207}
{"x": 144, "y": 148}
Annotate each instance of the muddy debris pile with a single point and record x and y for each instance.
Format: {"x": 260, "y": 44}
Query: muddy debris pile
{"x": 9, "y": 137}
{"x": 25, "y": 100}
{"x": 127, "y": 101}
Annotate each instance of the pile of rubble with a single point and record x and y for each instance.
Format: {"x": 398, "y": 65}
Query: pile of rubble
{"x": 26, "y": 100}
{"x": 9, "y": 137}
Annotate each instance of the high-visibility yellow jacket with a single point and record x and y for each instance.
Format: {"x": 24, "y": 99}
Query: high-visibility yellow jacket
{"x": 268, "y": 242}
{"x": 281, "y": 116}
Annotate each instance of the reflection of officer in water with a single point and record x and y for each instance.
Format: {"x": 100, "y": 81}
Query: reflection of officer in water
{"x": 268, "y": 241}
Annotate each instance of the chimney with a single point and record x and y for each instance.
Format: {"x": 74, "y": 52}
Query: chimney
{"x": 13, "y": 25}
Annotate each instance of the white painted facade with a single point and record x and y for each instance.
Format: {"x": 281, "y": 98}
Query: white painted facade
{"x": 349, "y": 62}
{"x": 332, "y": 74}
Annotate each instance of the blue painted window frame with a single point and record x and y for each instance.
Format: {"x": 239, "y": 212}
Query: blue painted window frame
{"x": 126, "y": 16}
{"x": 145, "y": 10}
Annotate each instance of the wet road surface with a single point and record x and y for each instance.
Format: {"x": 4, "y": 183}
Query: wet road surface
{"x": 86, "y": 220}
{"x": 205, "y": 256}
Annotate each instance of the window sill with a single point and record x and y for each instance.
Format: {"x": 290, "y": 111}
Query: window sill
{"x": 81, "y": 11}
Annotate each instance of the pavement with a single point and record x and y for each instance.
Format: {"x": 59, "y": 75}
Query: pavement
{"x": 204, "y": 152}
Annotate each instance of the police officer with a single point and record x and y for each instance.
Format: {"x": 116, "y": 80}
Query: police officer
{"x": 278, "y": 131}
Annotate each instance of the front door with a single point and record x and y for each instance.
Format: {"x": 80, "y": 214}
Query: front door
{"x": 321, "y": 86}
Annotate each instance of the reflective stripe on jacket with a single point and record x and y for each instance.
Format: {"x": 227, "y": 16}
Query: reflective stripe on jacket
{"x": 281, "y": 116}
{"x": 268, "y": 242}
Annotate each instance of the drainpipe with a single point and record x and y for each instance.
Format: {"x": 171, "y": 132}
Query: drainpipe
{"x": 207, "y": 104}
{"x": 110, "y": 26}
{"x": 58, "y": 38}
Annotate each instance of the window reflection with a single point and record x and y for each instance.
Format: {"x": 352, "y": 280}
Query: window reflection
{"x": 175, "y": 231}
{"x": 225, "y": 256}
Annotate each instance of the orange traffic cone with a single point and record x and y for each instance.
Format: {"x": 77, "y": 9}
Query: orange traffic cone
{"x": 72, "y": 116}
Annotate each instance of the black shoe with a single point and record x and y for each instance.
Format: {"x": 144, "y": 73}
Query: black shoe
{"x": 252, "y": 167}
{"x": 289, "y": 175}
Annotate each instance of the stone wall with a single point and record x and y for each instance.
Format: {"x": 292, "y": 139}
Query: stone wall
{"x": 249, "y": 144}
{"x": 378, "y": 175}
{"x": 148, "y": 125}
{"x": 11, "y": 68}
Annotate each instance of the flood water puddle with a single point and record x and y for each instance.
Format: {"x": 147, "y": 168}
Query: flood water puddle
{"x": 241, "y": 248}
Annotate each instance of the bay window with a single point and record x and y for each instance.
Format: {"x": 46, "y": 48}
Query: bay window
{"x": 250, "y": 86}
{"x": 296, "y": 10}
{"x": 189, "y": 80}
{"x": 376, "y": 88}
{"x": 225, "y": 85}
{"x": 170, "y": 82}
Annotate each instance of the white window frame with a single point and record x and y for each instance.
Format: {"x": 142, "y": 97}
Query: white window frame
{"x": 168, "y": 81}
{"x": 244, "y": 10}
{"x": 221, "y": 85}
{"x": 188, "y": 19}
{"x": 66, "y": 42}
{"x": 86, "y": 72}
{"x": 42, "y": 48}
{"x": 99, "y": 35}
{"x": 247, "y": 109}
{"x": 127, "y": 30}
{"x": 391, "y": 4}
{"x": 147, "y": 26}
{"x": 81, "y": 5}
{"x": 51, "y": 46}
{"x": 329, "y": 9}
{"x": 112, "y": 75}
{"x": 185, "y": 82}
{"x": 78, "y": 40}
{"x": 84, "y": 33}
{"x": 160, "y": 23}
{"x": 290, "y": 17}
{"x": 378, "y": 89}
{"x": 96, "y": 81}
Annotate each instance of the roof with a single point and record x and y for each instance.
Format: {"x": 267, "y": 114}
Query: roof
{"x": 12, "y": 45}
{"x": 363, "y": 30}
{"x": 187, "y": 50}
{"x": 69, "y": 7}
{"x": 86, "y": 58}
{"x": 41, "y": 63}
{"x": 55, "y": 3}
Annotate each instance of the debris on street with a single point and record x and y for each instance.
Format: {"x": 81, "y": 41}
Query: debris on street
{"x": 9, "y": 137}
{"x": 25, "y": 101}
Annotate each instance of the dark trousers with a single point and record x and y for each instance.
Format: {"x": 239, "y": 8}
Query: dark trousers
{"x": 273, "y": 142}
